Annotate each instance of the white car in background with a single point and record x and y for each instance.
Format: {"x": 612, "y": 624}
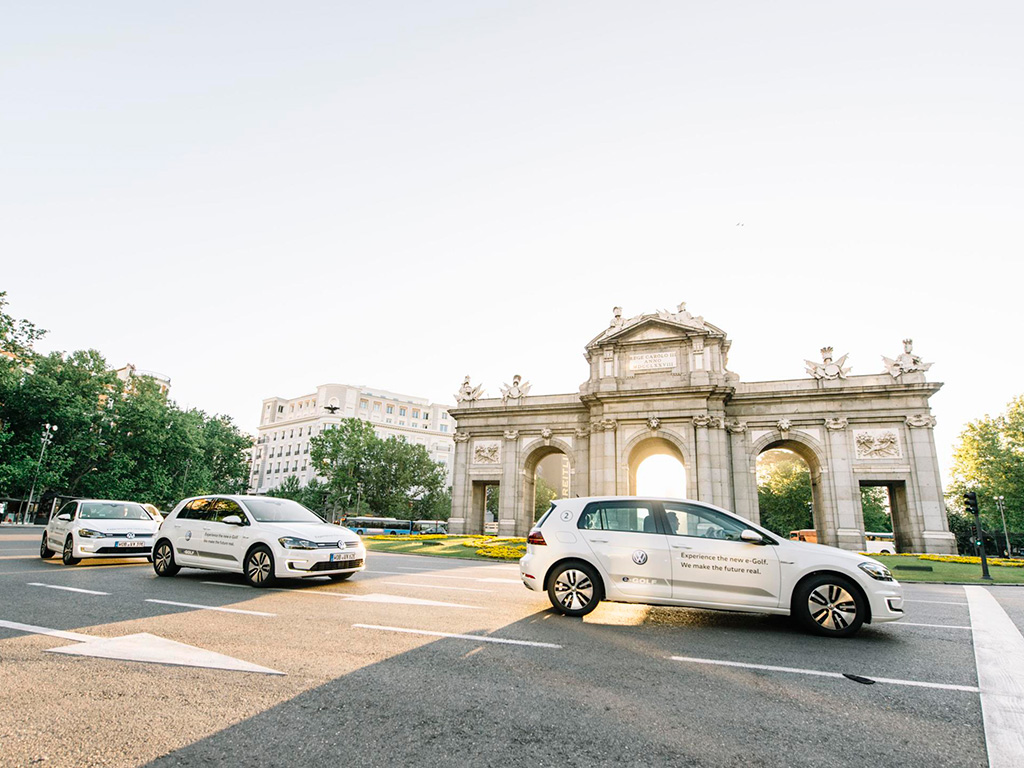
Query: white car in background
{"x": 685, "y": 553}
{"x": 261, "y": 537}
{"x": 98, "y": 528}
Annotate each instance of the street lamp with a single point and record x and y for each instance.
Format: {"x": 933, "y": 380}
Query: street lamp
{"x": 1002, "y": 513}
{"x": 48, "y": 430}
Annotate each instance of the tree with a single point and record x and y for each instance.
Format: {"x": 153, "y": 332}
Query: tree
{"x": 874, "y": 501}
{"x": 17, "y": 336}
{"x": 784, "y": 492}
{"x": 543, "y": 495}
{"x": 312, "y": 496}
{"x": 988, "y": 459}
{"x": 394, "y": 478}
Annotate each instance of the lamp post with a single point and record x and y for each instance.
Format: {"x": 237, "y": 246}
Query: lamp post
{"x": 359, "y": 496}
{"x": 1002, "y": 513}
{"x": 48, "y": 430}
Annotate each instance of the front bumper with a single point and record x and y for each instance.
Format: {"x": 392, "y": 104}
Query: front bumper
{"x": 113, "y": 547}
{"x": 886, "y": 600}
{"x": 297, "y": 563}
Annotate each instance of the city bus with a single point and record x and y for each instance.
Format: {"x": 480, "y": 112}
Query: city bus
{"x": 880, "y": 543}
{"x": 430, "y": 526}
{"x": 378, "y": 526}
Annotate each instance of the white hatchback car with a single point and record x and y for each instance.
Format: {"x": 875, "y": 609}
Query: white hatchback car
{"x": 259, "y": 536}
{"x": 685, "y": 553}
{"x": 99, "y": 528}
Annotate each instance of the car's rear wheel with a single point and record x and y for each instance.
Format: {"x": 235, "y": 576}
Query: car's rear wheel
{"x": 340, "y": 576}
{"x": 829, "y": 605}
{"x": 575, "y": 589}
{"x": 68, "y": 555}
{"x": 163, "y": 559}
{"x": 259, "y": 567}
{"x": 44, "y": 550}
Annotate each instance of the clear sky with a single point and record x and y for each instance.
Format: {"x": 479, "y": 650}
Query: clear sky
{"x": 256, "y": 198}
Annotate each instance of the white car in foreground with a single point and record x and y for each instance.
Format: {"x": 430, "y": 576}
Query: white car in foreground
{"x": 685, "y": 553}
{"x": 259, "y": 536}
{"x": 98, "y": 528}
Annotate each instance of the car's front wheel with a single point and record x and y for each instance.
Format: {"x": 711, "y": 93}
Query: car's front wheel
{"x": 829, "y": 605}
{"x": 575, "y": 589}
{"x": 68, "y": 556}
{"x": 163, "y": 559}
{"x": 44, "y": 550}
{"x": 259, "y": 567}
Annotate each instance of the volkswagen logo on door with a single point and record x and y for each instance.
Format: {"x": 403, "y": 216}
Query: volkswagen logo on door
{"x": 131, "y": 535}
{"x": 639, "y": 557}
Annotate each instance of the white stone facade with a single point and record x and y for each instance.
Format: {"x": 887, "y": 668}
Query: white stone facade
{"x": 659, "y": 385}
{"x": 288, "y": 424}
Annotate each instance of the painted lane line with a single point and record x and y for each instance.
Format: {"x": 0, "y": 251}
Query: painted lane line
{"x": 210, "y": 607}
{"x": 375, "y": 598}
{"x": 68, "y": 589}
{"x": 32, "y": 629}
{"x": 932, "y": 602}
{"x": 435, "y": 586}
{"x": 225, "y": 584}
{"x": 999, "y": 655}
{"x": 478, "y": 638}
{"x": 477, "y": 579}
{"x": 936, "y": 626}
{"x": 819, "y": 673}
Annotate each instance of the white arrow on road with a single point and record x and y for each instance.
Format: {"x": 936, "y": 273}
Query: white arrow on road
{"x": 142, "y": 647}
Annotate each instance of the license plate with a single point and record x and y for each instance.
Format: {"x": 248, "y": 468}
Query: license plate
{"x": 131, "y": 543}
{"x": 336, "y": 556}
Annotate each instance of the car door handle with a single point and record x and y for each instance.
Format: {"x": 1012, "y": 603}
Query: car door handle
{"x": 599, "y": 541}
{"x": 787, "y": 562}
{"x": 681, "y": 546}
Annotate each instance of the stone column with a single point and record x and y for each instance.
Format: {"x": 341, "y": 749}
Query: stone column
{"x": 611, "y": 459}
{"x": 511, "y": 487}
{"x": 847, "y": 523}
{"x": 705, "y": 490}
{"x": 933, "y": 535}
{"x": 720, "y": 472}
{"x": 744, "y": 480}
{"x": 596, "y": 460}
{"x": 579, "y": 483}
{"x": 461, "y": 486}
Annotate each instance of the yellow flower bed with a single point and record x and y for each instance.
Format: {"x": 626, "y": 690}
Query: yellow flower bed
{"x": 492, "y": 541}
{"x": 971, "y": 560}
{"x": 500, "y": 552}
{"x": 409, "y": 537}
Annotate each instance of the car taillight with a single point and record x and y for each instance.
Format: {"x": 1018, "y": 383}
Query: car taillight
{"x": 535, "y": 537}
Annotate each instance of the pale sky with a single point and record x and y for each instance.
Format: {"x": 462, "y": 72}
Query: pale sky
{"x": 256, "y": 198}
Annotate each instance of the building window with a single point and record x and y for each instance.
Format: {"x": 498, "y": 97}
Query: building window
{"x": 387, "y": 421}
{"x": 376, "y": 407}
{"x": 415, "y": 413}
{"x": 426, "y": 426}
{"x": 401, "y": 423}
{"x": 401, "y": 411}
{"x": 426, "y": 415}
{"x": 444, "y": 427}
{"x": 444, "y": 414}
{"x": 391, "y": 408}
{"x": 364, "y": 404}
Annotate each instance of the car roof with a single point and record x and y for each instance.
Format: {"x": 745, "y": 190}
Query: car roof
{"x": 109, "y": 501}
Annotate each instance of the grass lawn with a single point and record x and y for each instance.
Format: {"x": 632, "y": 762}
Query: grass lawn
{"x": 449, "y": 547}
{"x": 961, "y": 572}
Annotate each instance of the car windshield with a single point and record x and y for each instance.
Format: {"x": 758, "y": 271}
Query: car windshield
{"x": 113, "y": 510}
{"x": 280, "y": 511}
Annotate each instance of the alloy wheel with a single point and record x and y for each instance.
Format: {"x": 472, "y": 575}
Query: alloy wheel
{"x": 162, "y": 560}
{"x": 259, "y": 567}
{"x": 574, "y": 589}
{"x": 832, "y": 607}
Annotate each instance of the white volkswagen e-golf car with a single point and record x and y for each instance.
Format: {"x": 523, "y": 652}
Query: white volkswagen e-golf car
{"x": 98, "y": 528}
{"x": 259, "y": 536}
{"x": 685, "y": 553}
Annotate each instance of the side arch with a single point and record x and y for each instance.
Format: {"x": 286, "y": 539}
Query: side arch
{"x": 653, "y": 443}
{"x": 528, "y": 474}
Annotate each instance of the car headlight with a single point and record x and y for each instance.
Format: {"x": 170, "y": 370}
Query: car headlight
{"x": 876, "y": 571}
{"x": 88, "y": 533}
{"x": 290, "y": 542}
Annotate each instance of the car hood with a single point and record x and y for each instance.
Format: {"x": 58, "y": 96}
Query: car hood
{"x": 832, "y": 553}
{"x": 311, "y": 531}
{"x": 119, "y": 525}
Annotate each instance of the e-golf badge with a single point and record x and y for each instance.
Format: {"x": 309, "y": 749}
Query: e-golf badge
{"x": 639, "y": 557}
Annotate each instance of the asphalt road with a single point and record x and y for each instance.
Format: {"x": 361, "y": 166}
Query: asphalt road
{"x": 628, "y": 685}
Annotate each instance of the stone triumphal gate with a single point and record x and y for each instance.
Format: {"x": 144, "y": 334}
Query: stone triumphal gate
{"x": 659, "y": 385}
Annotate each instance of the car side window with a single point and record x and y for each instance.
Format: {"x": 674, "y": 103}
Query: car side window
{"x": 618, "y": 516}
{"x": 199, "y": 509}
{"x": 694, "y": 520}
{"x": 226, "y": 507}
{"x": 68, "y": 509}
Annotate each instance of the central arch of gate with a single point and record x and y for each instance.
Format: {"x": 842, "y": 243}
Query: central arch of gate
{"x": 659, "y": 384}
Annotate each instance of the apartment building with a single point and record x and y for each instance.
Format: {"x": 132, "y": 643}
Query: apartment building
{"x": 288, "y": 424}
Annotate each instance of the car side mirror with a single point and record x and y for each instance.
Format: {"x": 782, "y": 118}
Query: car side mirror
{"x": 232, "y": 520}
{"x": 65, "y": 517}
{"x": 752, "y": 537}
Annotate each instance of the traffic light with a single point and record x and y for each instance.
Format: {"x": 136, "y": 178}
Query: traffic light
{"x": 971, "y": 502}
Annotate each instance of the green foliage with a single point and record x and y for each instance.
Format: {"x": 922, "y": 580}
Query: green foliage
{"x": 17, "y": 336}
{"x": 989, "y": 459}
{"x": 874, "y": 501}
{"x": 312, "y": 496}
{"x": 390, "y": 478}
{"x": 492, "y": 499}
{"x": 543, "y": 495}
{"x": 111, "y": 441}
{"x": 783, "y": 492}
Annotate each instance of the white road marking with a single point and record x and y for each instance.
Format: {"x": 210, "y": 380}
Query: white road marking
{"x": 397, "y": 599}
{"x": 45, "y": 631}
{"x": 436, "y": 586}
{"x": 68, "y": 589}
{"x": 159, "y": 650}
{"x": 937, "y": 626}
{"x": 210, "y": 607}
{"x": 819, "y": 673}
{"x": 479, "y": 638}
{"x": 999, "y": 655}
{"x": 933, "y": 602}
